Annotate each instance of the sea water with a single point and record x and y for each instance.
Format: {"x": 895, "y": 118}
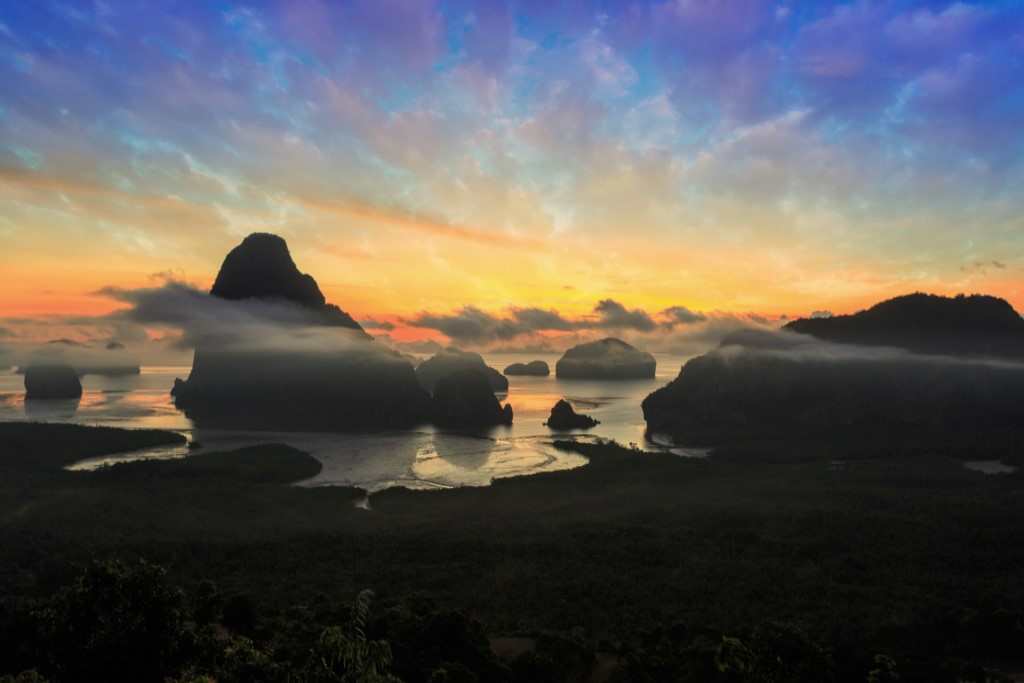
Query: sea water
{"x": 424, "y": 458}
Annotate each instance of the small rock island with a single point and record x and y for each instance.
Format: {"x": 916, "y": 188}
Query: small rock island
{"x": 535, "y": 368}
{"x": 606, "y": 359}
{"x": 564, "y": 418}
{"x": 52, "y": 382}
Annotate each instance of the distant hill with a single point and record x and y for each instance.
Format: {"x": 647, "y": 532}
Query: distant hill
{"x": 926, "y": 323}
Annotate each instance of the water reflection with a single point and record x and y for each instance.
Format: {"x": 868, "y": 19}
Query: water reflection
{"x": 990, "y": 466}
{"x": 370, "y": 461}
{"x": 50, "y": 410}
{"x": 155, "y": 453}
{"x": 464, "y": 451}
{"x": 461, "y": 460}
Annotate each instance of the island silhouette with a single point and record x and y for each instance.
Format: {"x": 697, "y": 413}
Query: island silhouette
{"x": 975, "y": 325}
{"x": 346, "y": 382}
{"x": 607, "y": 358}
{"x": 919, "y": 371}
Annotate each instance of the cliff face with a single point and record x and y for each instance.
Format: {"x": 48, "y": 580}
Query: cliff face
{"x": 359, "y": 386}
{"x": 606, "y": 359}
{"x": 925, "y": 323}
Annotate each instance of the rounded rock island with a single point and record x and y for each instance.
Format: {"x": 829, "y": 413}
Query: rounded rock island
{"x": 606, "y": 359}
{"x": 52, "y": 382}
{"x": 535, "y": 368}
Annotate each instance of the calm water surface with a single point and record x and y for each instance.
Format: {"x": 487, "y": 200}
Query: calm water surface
{"x": 424, "y": 459}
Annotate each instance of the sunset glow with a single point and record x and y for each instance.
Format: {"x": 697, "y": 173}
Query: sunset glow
{"x": 421, "y": 157}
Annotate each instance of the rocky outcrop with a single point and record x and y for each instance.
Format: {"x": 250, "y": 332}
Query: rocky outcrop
{"x": 974, "y": 325}
{"x": 452, "y": 360}
{"x": 606, "y": 359}
{"x": 464, "y": 399}
{"x": 564, "y": 418}
{"x": 52, "y": 382}
{"x": 535, "y": 368}
{"x": 357, "y": 385}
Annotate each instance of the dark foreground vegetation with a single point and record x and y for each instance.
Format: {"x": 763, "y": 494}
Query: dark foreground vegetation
{"x": 759, "y": 564}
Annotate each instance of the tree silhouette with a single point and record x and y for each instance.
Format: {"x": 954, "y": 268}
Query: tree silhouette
{"x": 345, "y": 655}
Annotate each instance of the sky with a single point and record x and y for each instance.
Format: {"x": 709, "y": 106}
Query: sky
{"x": 459, "y": 170}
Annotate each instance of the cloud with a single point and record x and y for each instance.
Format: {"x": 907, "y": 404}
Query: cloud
{"x": 682, "y": 315}
{"x": 412, "y": 221}
{"x": 372, "y": 324}
{"x": 611, "y": 73}
{"x": 67, "y": 342}
{"x": 212, "y": 322}
{"x": 394, "y": 37}
{"x": 926, "y": 30}
{"x": 471, "y": 325}
{"x": 89, "y": 353}
{"x": 787, "y": 345}
{"x": 616, "y": 316}
{"x": 542, "y": 319}
{"x": 879, "y": 126}
{"x": 698, "y": 337}
{"x": 425, "y": 347}
{"x": 821, "y": 314}
{"x": 983, "y": 267}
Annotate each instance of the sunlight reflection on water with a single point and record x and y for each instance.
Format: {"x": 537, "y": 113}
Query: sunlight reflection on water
{"x": 990, "y": 466}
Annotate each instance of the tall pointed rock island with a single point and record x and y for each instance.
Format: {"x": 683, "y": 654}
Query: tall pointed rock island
{"x": 309, "y": 367}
